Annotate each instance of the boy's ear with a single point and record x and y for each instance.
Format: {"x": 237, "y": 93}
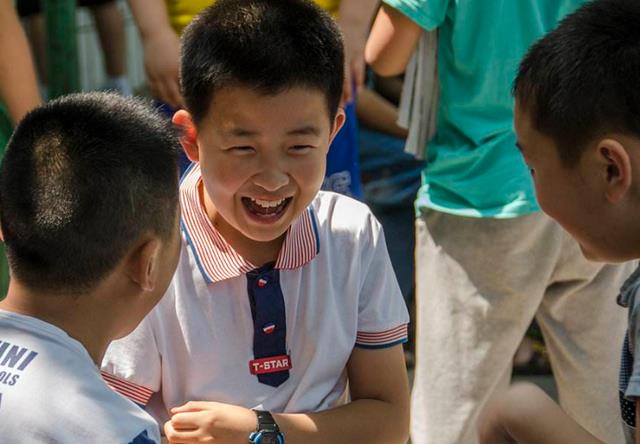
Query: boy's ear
{"x": 189, "y": 135}
{"x": 142, "y": 262}
{"x": 616, "y": 168}
{"x": 338, "y": 122}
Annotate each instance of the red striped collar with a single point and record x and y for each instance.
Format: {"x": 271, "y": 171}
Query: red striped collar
{"x": 216, "y": 259}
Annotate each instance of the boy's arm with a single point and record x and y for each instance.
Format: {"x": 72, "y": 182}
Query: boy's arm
{"x": 18, "y": 86}
{"x": 378, "y": 412}
{"x": 132, "y": 366}
{"x": 377, "y": 113}
{"x": 391, "y": 42}
{"x": 161, "y": 50}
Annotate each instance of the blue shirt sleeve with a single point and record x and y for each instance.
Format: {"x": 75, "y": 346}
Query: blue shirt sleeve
{"x": 633, "y": 389}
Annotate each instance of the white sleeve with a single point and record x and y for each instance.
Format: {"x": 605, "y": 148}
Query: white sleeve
{"x": 132, "y": 365}
{"x": 382, "y": 313}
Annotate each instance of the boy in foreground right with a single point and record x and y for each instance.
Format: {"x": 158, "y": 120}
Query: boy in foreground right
{"x": 577, "y": 118}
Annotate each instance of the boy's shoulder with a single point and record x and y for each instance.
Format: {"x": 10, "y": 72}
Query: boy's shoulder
{"x": 342, "y": 215}
{"x": 48, "y": 384}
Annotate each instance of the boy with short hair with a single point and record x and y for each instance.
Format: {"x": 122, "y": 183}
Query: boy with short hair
{"x": 92, "y": 243}
{"x": 284, "y": 299}
{"x": 577, "y": 118}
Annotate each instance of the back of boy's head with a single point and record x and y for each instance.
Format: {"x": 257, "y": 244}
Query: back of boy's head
{"x": 83, "y": 178}
{"x": 582, "y": 80}
{"x": 266, "y": 45}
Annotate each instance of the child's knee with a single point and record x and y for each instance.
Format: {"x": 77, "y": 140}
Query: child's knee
{"x": 509, "y": 411}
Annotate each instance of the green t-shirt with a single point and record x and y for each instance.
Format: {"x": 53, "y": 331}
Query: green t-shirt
{"x": 473, "y": 167}
{"x": 5, "y": 128}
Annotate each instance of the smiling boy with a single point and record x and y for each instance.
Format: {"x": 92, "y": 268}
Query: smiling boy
{"x": 284, "y": 300}
{"x": 255, "y": 204}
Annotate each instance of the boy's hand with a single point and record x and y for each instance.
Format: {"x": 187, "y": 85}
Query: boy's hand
{"x": 161, "y": 47}
{"x": 354, "y": 18}
{"x": 198, "y": 422}
{"x": 354, "y": 66}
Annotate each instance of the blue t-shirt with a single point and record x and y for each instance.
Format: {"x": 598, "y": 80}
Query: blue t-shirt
{"x": 473, "y": 167}
{"x": 343, "y": 168}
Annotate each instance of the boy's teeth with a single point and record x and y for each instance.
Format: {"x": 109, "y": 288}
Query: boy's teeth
{"x": 267, "y": 203}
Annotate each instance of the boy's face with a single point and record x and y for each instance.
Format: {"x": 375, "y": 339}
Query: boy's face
{"x": 576, "y": 196}
{"x": 263, "y": 158}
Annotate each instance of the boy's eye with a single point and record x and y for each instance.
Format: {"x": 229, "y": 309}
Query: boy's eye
{"x": 299, "y": 148}
{"x": 241, "y": 149}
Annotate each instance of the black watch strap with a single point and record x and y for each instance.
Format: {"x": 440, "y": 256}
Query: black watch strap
{"x": 266, "y": 422}
{"x": 267, "y": 431}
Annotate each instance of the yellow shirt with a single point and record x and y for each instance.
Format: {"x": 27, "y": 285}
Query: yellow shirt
{"x": 331, "y": 6}
{"x": 182, "y": 11}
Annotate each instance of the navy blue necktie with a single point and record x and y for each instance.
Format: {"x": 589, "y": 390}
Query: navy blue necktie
{"x": 269, "y": 323}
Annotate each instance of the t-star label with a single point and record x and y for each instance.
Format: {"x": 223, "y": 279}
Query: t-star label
{"x": 272, "y": 364}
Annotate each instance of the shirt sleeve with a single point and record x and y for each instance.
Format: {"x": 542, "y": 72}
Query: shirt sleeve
{"x": 132, "y": 365}
{"x": 428, "y": 14}
{"x": 382, "y": 313}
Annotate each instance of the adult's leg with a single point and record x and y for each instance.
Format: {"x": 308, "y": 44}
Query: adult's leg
{"x": 479, "y": 284}
{"x": 110, "y": 25}
{"x": 584, "y": 328}
{"x": 36, "y": 27}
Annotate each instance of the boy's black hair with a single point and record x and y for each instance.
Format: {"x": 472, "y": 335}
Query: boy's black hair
{"x": 266, "y": 45}
{"x": 83, "y": 177}
{"x": 582, "y": 80}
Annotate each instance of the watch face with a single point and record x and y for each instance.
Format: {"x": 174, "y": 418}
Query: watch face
{"x": 269, "y": 438}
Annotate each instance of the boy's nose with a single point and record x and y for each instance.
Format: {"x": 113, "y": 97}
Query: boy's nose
{"x": 271, "y": 179}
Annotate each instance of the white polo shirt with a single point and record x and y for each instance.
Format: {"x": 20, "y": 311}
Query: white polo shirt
{"x": 339, "y": 292}
{"x": 52, "y": 392}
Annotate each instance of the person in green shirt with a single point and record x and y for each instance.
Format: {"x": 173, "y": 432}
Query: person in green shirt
{"x": 487, "y": 260}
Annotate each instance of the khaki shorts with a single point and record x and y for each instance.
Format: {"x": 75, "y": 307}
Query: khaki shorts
{"x": 480, "y": 282}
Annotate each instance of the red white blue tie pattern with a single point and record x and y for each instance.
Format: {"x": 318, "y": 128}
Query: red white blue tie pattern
{"x": 269, "y": 324}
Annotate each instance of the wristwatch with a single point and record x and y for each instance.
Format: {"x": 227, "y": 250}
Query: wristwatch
{"x": 268, "y": 431}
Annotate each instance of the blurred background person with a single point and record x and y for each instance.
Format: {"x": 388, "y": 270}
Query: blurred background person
{"x": 109, "y": 23}
{"x": 487, "y": 260}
